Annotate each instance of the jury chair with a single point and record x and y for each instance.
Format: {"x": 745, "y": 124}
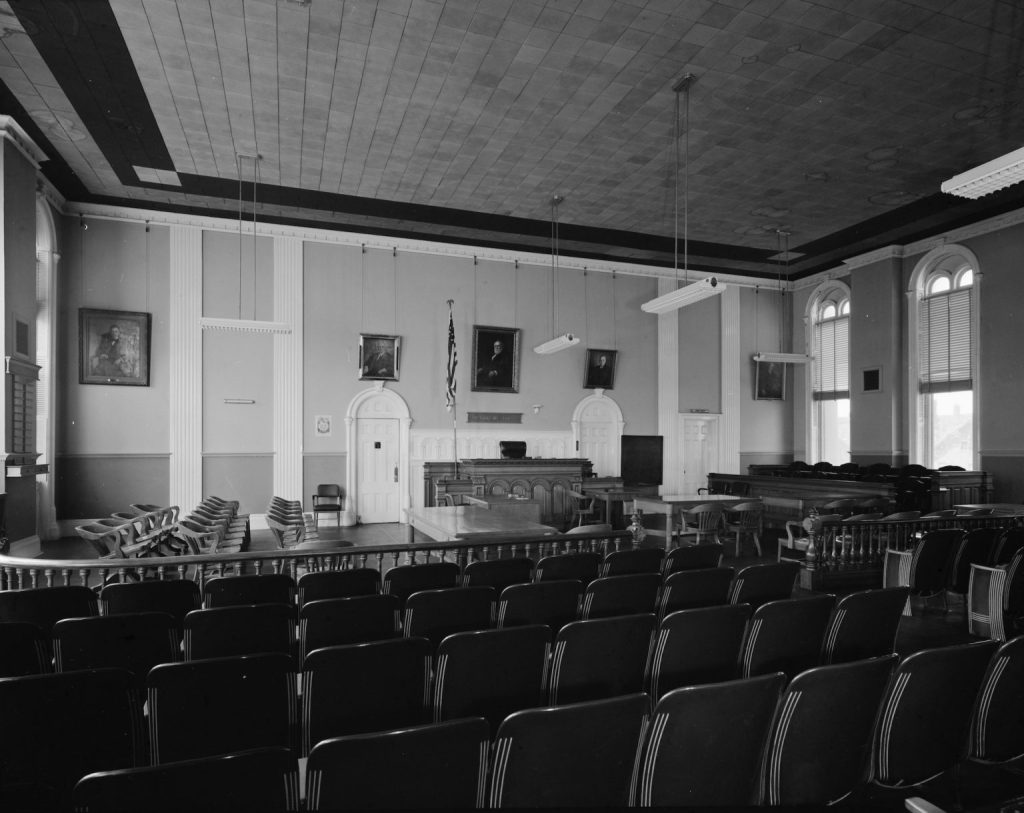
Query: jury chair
{"x": 579, "y": 755}
{"x": 328, "y": 499}
{"x": 821, "y": 739}
{"x": 441, "y": 765}
{"x": 263, "y": 780}
{"x": 798, "y": 534}
{"x": 60, "y": 727}
{"x": 699, "y": 523}
{"x": 584, "y": 508}
{"x": 359, "y": 688}
{"x": 490, "y": 673}
{"x": 705, "y": 744}
{"x": 219, "y": 705}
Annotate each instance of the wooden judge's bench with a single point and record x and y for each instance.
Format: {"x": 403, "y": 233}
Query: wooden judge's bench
{"x": 547, "y": 480}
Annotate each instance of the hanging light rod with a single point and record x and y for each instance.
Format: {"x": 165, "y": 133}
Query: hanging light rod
{"x": 783, "y": 358}
{"x": 556, "y": 344}
{"x": 566, "y": 340}
{"x": 686, "y": 295}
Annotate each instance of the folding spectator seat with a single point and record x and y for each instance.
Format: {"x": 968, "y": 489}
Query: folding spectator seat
{"x": 360, "y": 688}
{"x": 220, "y": 705}
{"x": 926, "y": 713}
{"x": 633, "y": 560}
{"x": 177, "y": 597}
{"x": 498, "y": 573}
{"x": 864, "y": 625}
{"x": 694, "y": 557}
{"x": 232, "y": 591}
{"x": 620, "y": 595}
{"x": 59, "y": 727}
{"x": 321, "y": 584}
{"x": 404, "y": 580}
{"x": 263, "y": 780}
{"x": 579, "y": 755}
{"x": 697, "y": 646}
{"x": 688, "y": 589}
{"x": 133, "y": 641}
{"x": 583, "y": 566}
{"x": 434, "y": 614}
{"x": 820, "y": 743}
{"x": 441, "y": 765}
{"x": 786, "y": 635}
{"x": 552, "y": 603}
{"x": 977, "y": 547}
{"x": 491, "y": 673}
{"x": 1010, "y": 541}
{"x": 925, "y": 568}
{"x": 604, "y": 657}
{"x": 355, "y": 620}
{"x": 997, "y": 721}
{"x": 222, "y": 632}
{"x": 23, "y": 649}
{"x": 705, "y": 744}
{"x": 45, "y": 606}
{"x": 756, "y": 584}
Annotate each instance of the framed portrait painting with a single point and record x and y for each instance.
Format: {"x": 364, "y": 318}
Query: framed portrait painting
{"x": 113, "y": 347}
{"x": 495, "y": 359}
{"x": 379, "y": 357}
{"x": 769, "y": 381}
{"x": 600, "y": 370}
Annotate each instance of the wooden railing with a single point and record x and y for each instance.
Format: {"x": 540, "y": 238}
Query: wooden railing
{"x": 21, "y": 573}
{"x": 852, "y": 553}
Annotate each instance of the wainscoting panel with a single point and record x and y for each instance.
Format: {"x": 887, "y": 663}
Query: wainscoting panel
{"x": 248, "y": 478}
{"x": 97, "y": 485}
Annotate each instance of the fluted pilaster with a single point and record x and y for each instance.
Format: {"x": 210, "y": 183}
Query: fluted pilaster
{"x": 288, "y": 368}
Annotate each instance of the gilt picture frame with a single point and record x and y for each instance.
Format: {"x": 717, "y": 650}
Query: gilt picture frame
{"x": 769, "y": 381}
{"x": 495, "y": 359}
{"x": 600, "y": 370}
{"x": 379, "y": 357}
{"x": 114, "y": 347}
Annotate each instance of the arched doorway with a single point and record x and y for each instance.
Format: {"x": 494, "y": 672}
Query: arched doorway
{"x": 597, "y": 430}
{"x": 377, "y": 467}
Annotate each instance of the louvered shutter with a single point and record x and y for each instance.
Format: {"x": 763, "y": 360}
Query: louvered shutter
{"x": 832, "y": 359}
{"x": 944, "y": 342}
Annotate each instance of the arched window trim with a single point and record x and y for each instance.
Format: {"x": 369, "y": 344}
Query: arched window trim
{"x": 834, "y": 291}
{"x": 953, "y": 260}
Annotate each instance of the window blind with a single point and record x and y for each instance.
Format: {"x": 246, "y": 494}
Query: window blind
{"x": 944, "y": 342}
{"x": 832, "y": 359}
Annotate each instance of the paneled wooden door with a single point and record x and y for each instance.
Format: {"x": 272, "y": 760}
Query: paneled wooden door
{"x": 377, "y": 439}
{"x": 699, "y": 452}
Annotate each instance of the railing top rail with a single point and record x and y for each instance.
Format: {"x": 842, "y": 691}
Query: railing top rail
{"x": 300, "y": 552}
{"x": 944, "y": 521}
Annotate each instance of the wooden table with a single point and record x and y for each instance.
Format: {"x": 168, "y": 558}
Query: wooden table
{"x": 611, "y": 497}
{"x": 671, "y": 505}
{"x": 520, "y": 509}
{"x": 447, "y": 523}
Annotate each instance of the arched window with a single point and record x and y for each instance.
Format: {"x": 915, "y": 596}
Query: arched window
{"x": 829, "y": 322}
{"x": 943, "y": 359}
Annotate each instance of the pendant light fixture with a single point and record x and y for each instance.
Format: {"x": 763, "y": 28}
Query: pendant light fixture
{"x": 709, "y": 286}
{"x": 780, "y": 357}
{"x": 566, "y": 339}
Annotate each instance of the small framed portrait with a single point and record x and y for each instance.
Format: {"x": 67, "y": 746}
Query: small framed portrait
{"x": 113, "y": 347}
{"x": 379, "y": 357}
{"x": 495, "y": 359}
{"x": 769, "y": 381}
{"x": 600, "y": 370}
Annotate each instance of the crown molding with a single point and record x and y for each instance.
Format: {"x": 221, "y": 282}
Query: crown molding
{"x": 11, "y": 131}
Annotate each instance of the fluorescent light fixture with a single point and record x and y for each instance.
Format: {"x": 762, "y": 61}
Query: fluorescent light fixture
{"x": 556, "y": 344}
{"x": 987, "y": 178}
{"x": 784, "y": 358}
{"x": 686, "y": 295}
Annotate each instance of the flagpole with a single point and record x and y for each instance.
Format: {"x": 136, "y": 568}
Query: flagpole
{"x": 451, "y": 387}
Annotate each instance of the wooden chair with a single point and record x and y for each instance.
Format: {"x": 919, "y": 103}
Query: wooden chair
{"x": 584, "y": 508}
{"x": 700, "y": 522}
{"x": 328, "y": 499}
{"x": 263, "y": 780}
{"x": 45, "y": 606}
{"x": 583, "y": 755}
{"x": 176, "y": 597}
{"x": 443, "y": 764}
{"x": 798, "y": 533}
{"x": 744, "y": 519}
{"x": 359, "y": 688}
{"x": 705, "y": 745}
{"x": 925, "y": 569}
{"x": 584, "y": 567}
{"x": 995, "y": 599}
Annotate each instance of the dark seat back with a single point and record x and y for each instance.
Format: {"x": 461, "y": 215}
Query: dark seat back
{"x": 687, "y": 589}
{"x": 355, "y": 620}
{"x": 583, "y": 566}
{"x": 234, "y": 591}
{"x": 997, "y": 722}
{"x": 321, "y": 584}
{"x": 552, "y": 603}
{"x": 757, "y": 584}
{"x": 694, "y": 557}
{"x": 23, "y": 650}
{"x": 864, "y": 625}
{"x": 786, "y": 635}
{"x": 177, "y": 597}
{"x": 621, "y": 595}
{"x": 222, "y": 632}
{"x": 634, "y": 560}
{"x": 404, "y": 580}
{"x": 45, "y": 606}
{"x": 434, "y": 614}
{"x": 498, "y": 573}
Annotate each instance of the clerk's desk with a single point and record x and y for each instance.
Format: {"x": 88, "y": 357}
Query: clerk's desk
{"x": 448, "y": 523}
{"x": 671, "y": 505}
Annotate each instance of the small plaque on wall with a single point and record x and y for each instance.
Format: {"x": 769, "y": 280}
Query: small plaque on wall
{"x": 495, "y": 417}
{"x": 872, "y": 379}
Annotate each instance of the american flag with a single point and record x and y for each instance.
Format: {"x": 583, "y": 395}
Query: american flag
{"x": 453, "y": 360}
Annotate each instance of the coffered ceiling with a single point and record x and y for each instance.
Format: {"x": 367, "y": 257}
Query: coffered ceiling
{"x": 833, "y": 121}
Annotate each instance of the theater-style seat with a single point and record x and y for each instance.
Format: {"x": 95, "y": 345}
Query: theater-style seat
{"x": 355, "y": 620}
{"x": 404, "y": 580}
{"x": 687, "y": 589}
{"x": 264, "y": 780}
{"x": 45, "y": 606}
{"x": 552, "y": 603}
{"x": 23, "y": 650}
{"x": 441, "y": 765}
{"x": 434, "y": 614}
{"x": 222, "y": 632}
{"x": 581, "y": 755}
{"x": 322, "y": 584}
{"x": 786, "y": 636}
{"x": 498, "y": 573}
{"x": 864, "y": 625}
{"x": 177, "y": 597}
{"x": 234, "y": 591}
